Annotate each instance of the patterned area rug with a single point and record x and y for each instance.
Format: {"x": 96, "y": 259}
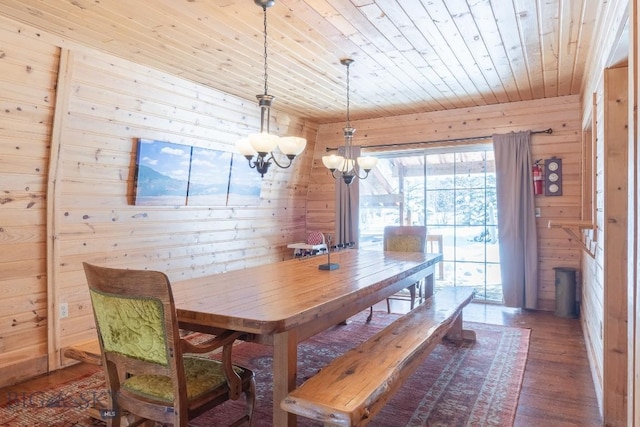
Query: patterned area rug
{"x": 470, "y": 384}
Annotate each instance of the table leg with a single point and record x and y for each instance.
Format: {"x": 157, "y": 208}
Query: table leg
{"x": 428, "y": 285}
{"x": 285, "y": 364}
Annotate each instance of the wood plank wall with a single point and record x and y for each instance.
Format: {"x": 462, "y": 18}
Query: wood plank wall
{"x": 605, "y": 291}
{"x": 562, "y": 114}
{"x": 592, "y": 293}
{"x": 28, "y": 69}
{"x": 633, "y": 309}
{"x": 612, "y": 19}
{"x": 104, "y": 104}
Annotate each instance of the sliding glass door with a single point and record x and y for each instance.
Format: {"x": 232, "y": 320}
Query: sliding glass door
{"x": 453, "y": 193}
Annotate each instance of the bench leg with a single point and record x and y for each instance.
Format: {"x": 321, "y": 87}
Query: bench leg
{"x": 456, "y": 333}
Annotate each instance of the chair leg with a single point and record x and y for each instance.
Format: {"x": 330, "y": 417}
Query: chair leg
{"x": 370, "y": 316}
{"x": 388, "y": 306}
{"x": 250, "y": 396}
{"x": 412, "y": 292}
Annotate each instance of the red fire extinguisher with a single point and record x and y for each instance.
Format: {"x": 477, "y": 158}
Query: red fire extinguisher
{"x": 536, "y": 171}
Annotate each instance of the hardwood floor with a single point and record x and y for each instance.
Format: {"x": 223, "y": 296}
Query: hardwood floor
{"x": 557, "y": 390}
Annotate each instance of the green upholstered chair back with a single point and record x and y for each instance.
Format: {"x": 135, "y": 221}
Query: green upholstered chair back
{"x": 131, "y": 326}
{"x": 405, "y": 243}
{"x": 405, "y": 238}
{"x": 134, "y": 313}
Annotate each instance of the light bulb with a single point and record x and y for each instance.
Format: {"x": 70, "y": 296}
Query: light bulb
{"x": 367, "y": 163}
{"x": 292, "y": 145}
{"x": 263, "y": 142}
{"x": 245, "y": 148}
{"x": 333, "y": 161}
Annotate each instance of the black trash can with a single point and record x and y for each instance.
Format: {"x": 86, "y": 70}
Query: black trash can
{"x": 566, "y": 292}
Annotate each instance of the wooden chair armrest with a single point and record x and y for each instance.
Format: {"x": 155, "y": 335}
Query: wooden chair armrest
{"x": 227, "y": 337}
{"x": 224, "y": 340}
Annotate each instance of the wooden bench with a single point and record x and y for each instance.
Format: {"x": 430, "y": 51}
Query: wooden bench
{"x": 87, "y": 352}
{"x": 355, "y": 386}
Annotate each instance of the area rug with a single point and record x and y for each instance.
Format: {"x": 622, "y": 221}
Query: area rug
{"x": 468, "y": 384}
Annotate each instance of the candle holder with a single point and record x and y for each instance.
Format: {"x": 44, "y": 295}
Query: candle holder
{"x": 329, "y": 266}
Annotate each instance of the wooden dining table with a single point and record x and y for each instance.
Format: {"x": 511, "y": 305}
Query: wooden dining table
{"x": 284, "y": 303}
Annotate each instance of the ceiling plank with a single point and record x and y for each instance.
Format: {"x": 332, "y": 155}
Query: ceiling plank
{"x": 411, "y": 56}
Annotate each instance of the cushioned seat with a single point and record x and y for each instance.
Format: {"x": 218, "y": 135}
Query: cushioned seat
{"x": 202, "y": 376}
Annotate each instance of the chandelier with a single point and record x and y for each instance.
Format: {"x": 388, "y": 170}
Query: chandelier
{"x": 257, "y": 146}
{"x": 348, "y": 166}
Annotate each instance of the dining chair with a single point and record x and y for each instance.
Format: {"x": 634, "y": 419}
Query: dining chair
{"x": 153, "y": 374}
{"x": 407, "y": 238}
{"x": 438, "y": 240}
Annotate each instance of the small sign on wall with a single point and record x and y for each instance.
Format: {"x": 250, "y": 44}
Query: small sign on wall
{"x": 553, "y": 177}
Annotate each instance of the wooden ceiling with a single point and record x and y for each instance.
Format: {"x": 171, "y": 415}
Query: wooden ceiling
{"x": 410, "y": 55}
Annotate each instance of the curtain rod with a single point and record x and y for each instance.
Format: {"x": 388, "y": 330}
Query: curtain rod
{"x": 471, "y": 138}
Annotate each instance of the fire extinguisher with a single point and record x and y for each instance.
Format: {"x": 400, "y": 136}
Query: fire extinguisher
{"x": 536, "y": 171}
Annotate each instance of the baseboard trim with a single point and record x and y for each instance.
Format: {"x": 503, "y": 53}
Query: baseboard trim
{"x": 23, "y": 370}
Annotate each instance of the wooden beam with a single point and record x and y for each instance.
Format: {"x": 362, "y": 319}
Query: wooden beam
{"x": 615, "y": 247}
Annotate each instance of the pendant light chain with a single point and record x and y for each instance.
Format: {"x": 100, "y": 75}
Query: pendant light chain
{"x": 348, "y": 100}
{"x": 266, "y": 74}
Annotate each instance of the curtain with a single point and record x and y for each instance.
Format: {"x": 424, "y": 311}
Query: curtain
{"x": 347, "y": 207}
{"x": 516, "y": 219}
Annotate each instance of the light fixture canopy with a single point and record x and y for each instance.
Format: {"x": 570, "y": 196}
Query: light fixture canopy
{"x": 258, "y": 148}
{"x": 348, "y": 166}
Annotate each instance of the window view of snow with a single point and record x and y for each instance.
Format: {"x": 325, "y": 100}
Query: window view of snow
{"x": 453, "y": 193}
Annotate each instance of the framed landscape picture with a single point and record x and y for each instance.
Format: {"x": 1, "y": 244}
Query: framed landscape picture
{"x": 244, "y": 184}
{"x": 162, "y": 173}
{"x": 209, "y": 177}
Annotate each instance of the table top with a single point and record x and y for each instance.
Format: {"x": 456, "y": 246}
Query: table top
{"x": 281, "y": 296}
